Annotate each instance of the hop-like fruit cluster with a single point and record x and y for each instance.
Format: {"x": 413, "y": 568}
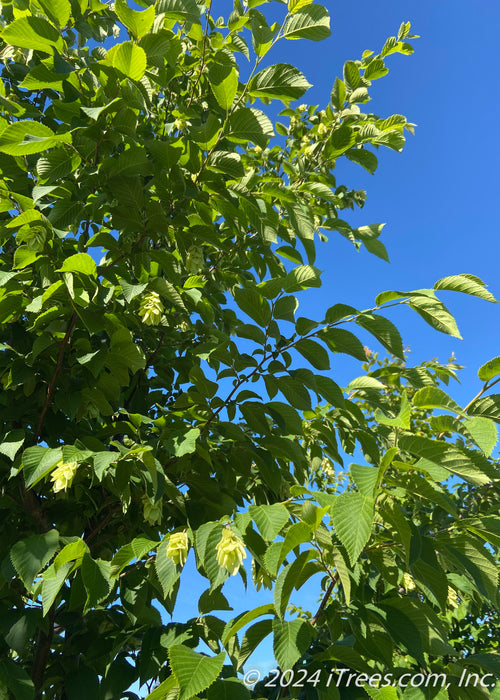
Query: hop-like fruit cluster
{"x": 178, "y": 547}
{"x": 195, "y": 260}
{"x": 452, "y": 600}
{"x": 152, "y": 511}
{"x": 230, "y": 551}
{"x": 151, "y": 309}
{"x": 261, "y": 577}
{"x": 63, "y": 475}
{"x": 408, "y": 583}
{"x": 328, "y": 469}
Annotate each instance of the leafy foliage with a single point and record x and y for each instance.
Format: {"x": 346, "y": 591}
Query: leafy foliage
{"x": 161, "y": 395}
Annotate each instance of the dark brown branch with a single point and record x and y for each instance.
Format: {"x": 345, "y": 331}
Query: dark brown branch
{"x": 102, "y": 524}
{"x": 53, "y": 381}
{"x": 325, "y": 598}
{"x": 42, "y": 654}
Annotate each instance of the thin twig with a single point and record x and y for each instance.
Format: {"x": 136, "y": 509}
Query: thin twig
{"x": 202, "y": 64}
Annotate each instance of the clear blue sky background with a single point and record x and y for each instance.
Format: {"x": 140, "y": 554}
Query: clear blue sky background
{"x": 438, "y": 197}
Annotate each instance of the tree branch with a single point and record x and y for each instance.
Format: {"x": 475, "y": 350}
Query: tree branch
{"x": 53, "y": 381}
{"x": 42, "y": 654}
{"x": 202, "y": 64}
{"x": 324, "y": 601}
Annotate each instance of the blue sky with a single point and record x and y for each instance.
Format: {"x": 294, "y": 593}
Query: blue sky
{"x": 437, "y": 197}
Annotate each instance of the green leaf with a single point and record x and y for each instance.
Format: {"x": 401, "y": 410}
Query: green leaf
{"x": 130, "y": 59}
{"x": 363, "y": 157}
{"x": 339, "y": 340}
{"x": 227, "y": 163}
{"x": 338, "y": 95}
{"x": 137, "y": 549}
{"x": 302, "y": 277}
{"x": 467, "y": 284}
{"x": 223, "y": 79}
{"x": 29, "y": 556}
{"x": 37, "y": 462}
{"x": 487, "y": 406}
{"x": 342, "y": 567}
{"x": 402, "y": 420}
{"x": 298, "y": 533}
{"x": 251, "y": 301}
{"x": 295, "y": 393}
{"x": 384, "y": 331}
{"x": 166, "y": 570}
{"x": 416, "y": 627}
{"x": 139, "y": 23}
{"x": 469, "y": 465}
{"x": 181, "y": 10}
{"x": 33, "y": 33}
{"x": 290, "y": 578}
{"x": 375, "y": 69}
{"x": 206, "y": 387}
{"x": 234, "y": 626}
{"x": 53, "y": 581}
{"x": 296, "y": 5}
{"x": 252, "y": 639}
{"x": 435, "y": 314}
{"x": 280, "y": 81}
{"x": 212, "y": 600}
{"x": 166, "y": 690}
{"x": 314, "y": 353}
{"x": 183, "y": 444}
{"x": 27, "y": 137}
{"x": 194, "y": 672}
{"x": 329, "y": 390}
{"x": 73, "y": 551}
{"x": 291, "y": 641}
{"x": 269, "y": 519}
{"x": 310, "y": 22}
{"x": 58, "y": 11}
{"x": 432, "y": 397}
{"x": 130, "y": 291}
{"x": 429, "y": 575}
{"x": 247, "y": 124}
{"x": 23, "y": 257}
{"x": 228, "y": 689}
{"x": 366, "y": 479}
{"x": 365, "y": 383}
{"x": 80, "y": 263}
{"x": 471, "y": 557}
{"x": 351, "y": 75}
{"x": 263, "y": 35}
{"x": 96, "y": 579}
{"x": 352, "y": 518}
{"x": 12, "y": 443}
{"x": 15, "y": 678}
{"x": 483, "y": 432}
{"x": 489, "y": 370}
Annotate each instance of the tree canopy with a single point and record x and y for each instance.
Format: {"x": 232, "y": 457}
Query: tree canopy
{"x": 161, "y": 393}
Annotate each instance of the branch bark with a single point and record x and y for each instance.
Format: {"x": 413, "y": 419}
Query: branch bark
{"x": 42, "y": 654}
{"x": 325, "y": 599}
{"x": 53, "y": 381}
